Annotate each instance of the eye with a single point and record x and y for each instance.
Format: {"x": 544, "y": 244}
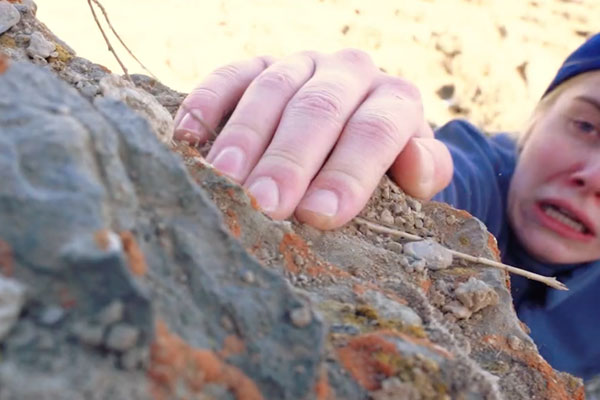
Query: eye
{"x": 585, "y": 127}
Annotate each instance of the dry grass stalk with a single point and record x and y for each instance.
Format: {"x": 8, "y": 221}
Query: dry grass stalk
{"x": 110, "y": 47}
{"x": 548, "y": 280}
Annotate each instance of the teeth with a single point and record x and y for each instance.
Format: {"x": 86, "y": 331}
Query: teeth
{"x": 563, "y": 218}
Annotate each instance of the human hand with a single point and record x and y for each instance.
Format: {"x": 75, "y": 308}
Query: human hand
{"x": 314, "y": 133}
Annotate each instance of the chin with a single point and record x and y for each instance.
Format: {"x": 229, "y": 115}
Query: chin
{"x": 549, "y": 249}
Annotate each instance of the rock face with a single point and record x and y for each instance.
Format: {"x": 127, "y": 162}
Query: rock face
{"x": 149, "y": 276}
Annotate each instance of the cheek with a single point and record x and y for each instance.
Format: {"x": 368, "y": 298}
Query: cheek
{"x": 543, "y": 158}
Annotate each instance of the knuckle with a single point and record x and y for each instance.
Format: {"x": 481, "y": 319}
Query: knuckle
{"x": 356, "y": 56}
{"x": 405, "y": 89}
{"x": 276, "y": 79}
{"x": 247, "y": 131}
{"x": 377, "y": 128}
{"x": 286, "y": 159}
{"x": 311, "y": 54}
{"x": 317, "y": 102}
{"x": 228, "y": 72}
{"x": 348, "y": 177}
{"x": 201, "y": 96}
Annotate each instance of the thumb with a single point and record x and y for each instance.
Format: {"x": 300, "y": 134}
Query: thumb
{"x": 423, "y": 168}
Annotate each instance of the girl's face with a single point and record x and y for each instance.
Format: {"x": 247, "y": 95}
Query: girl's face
{"x": 554, "y": 197}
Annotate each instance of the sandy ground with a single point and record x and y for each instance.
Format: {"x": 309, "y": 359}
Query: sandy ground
{"x": 498, "y": 55}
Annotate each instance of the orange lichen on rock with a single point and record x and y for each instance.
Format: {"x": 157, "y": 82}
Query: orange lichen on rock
{"x": 232, "y": 345}
{"x": 425, "y": 285}
{"x": 102, "y": 239}
{"x": 322, "y": 388}
{"x": 6, "y": 259}
{"x": 187, "y": 151}
{"x": 175, "y": 366}
{"x": 293, "y": 245}
{"x": 4, "y": 63}
{"x": 233, "y": 223}
{"x": 360, "y": 358}
{"x": 555, "y": 388}
{"x": 135, "y": 257}
{"x": 65, "y": 298}
{"x": 373, "y": 357}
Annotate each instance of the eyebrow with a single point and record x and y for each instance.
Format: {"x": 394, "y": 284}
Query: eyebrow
{"x": 590, "y": 100}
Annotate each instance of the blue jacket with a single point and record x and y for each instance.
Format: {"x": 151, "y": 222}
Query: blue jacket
{"x": 565, "y": 325}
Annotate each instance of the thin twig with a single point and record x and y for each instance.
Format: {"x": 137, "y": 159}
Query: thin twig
{"x": 548, "y": 280}
{"x": 97, "y": 2}
{"x": 110, "y": 48}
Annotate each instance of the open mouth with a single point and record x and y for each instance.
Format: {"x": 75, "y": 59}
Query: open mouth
{"x": 567, "y": 218}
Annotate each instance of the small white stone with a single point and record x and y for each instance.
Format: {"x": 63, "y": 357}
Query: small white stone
{"x": 40, "y": 46}
{"x": 475, "y": 294}
{"x": 12, "y": 299}
{"x": 387, "y": 217}
{"x": 88, "y": 334}
{"x": 458, "y": 310}
{"x": 9, "y": 16}
{"x": 111, "y": 313}
{"x": 122, "y": 337}
{"x": 52, "y": 315}
{"x": 301, "y": 317}
{"x": 435, "y": 255}
{"x": 514, "y": 343}
{"x": 248, "y": 277}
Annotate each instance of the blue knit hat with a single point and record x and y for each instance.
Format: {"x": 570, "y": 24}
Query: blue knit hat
{"x": 585, "y": 58}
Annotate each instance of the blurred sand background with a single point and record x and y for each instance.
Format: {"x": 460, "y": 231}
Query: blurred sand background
{"x": 494, "y": 57}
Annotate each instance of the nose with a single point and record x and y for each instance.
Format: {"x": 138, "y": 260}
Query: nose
{"x": 588, "y": 177}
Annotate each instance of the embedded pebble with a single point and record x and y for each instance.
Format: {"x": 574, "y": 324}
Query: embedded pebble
{"x": 248, "y": 277}
{"x": 12, "y": 299}
{"x": 394, "y": 246}
{"x": 514, "y": 342}
{"x": 398, "y": 221}
{"x": 135, "y": 358}
{"x": 457, "y": 309}
{"x": 414, "y": 204}
{"x": 301, "y": 316}
{"x": 111, "y": 313}
{"x": 299, "y": 260}
{"x": 419, "y": 224}
{"x": 436, "y": 256}
{"x": 9, "y": 16}
{"x": 51, "y": 315}
{"x": 227, "y": 323}
{"x": 88, "y": 90}
{"x": 475, "y": 294}
{"x": 387, "y": 217}
{"x": 451, "y": 220}
{"x": 122, "y": 337}
{"x": 88, "y": 334}
{"x": 39, "y": 46}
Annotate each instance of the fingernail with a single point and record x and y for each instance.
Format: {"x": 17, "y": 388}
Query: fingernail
{"x": 188, "y": 126}
{"x": 266, "y": 192}
{"x": 230, "y": 161}
{"x": 324, "y": 202}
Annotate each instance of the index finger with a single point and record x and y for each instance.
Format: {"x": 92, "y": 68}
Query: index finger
{"x": 205, "y": 107}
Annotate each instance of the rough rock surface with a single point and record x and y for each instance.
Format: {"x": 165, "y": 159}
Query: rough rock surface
{"x": 149, "y": 276}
